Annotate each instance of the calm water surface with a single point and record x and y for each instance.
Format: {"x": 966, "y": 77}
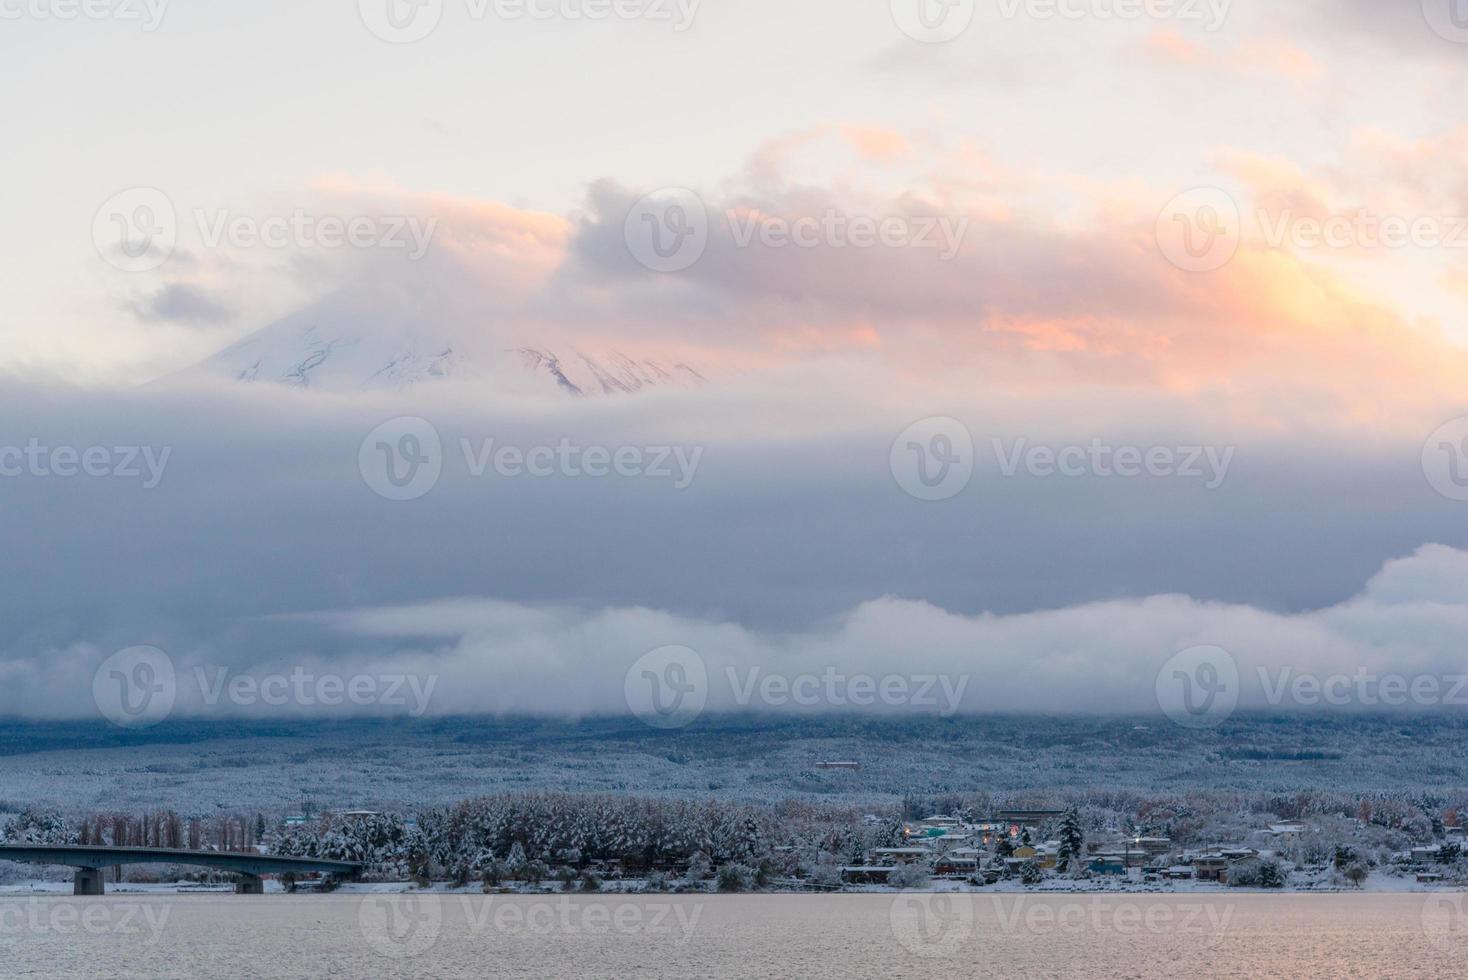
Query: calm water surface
{"x": 718, "y": 937}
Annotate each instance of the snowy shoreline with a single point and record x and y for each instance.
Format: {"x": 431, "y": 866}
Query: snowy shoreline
{"x": 1374, "y": 884}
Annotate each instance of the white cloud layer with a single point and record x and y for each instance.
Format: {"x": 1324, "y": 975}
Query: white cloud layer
{"x": 475, "y": 656}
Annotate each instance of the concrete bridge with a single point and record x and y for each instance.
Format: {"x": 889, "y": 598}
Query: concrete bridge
{"x": 90, "y": 860}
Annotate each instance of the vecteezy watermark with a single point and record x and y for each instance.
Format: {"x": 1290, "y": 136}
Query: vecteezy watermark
{"x": 1199, "y": 687}
{"x": 670, "y": 688}
{"x": 1449, "y": 18}
{"x": 1445, "y": 460}
{"x": 943, "y": 925}
{"x": 308, "y": 689}
{"x": 140, "y": 687}
{"x": 832, "y": 688}
{"x": 1106, "y": 915}
{"x": 136, "y": 687}
{"x": 408, "y": 21}
{"x": 667, "y": 687}
{"x": 146, "y": 13}
{"x": 838, "y": 230}
{"x": 933, "y": 926}
{"x": 1097, "y": 458}
{"x": 669, "y": 230}
{"x": 1363, "y": 688}
{"x": 403, "y": 459}
{"x": 1211, "y": 15}
{"x": 137, "y": 230}
{"x": 567, "y": 915}
{"x": 403, "y": 927}
{"x": 1444, "y": 920}
{"x": 143, "y": 923}
{"x": 1200, "y": 230}
{"x": 933, "y": 459}
{"x": 36, "y": 460}
{"x": 937, "y": 21}
{"x": 302, "y": 229}
{"x": 933, "y": 21}
{"x": 677, "y": 464}
{"x": 1363, "y": 229}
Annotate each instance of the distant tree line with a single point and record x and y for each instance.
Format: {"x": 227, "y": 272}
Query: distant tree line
{"x": 583, "y": 838}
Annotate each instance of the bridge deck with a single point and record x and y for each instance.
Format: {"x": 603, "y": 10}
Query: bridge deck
{"x": 94, "y": 857}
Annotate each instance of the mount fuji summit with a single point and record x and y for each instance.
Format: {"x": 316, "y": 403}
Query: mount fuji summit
{"x": 354, "y": 357}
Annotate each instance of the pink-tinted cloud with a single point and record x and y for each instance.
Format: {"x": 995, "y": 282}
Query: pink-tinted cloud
{"x": 1269, "y": 57}
{"x": 1031, "y": 296}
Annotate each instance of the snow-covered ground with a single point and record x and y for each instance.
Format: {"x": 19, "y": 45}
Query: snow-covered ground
{"x": 1377, "y": 882}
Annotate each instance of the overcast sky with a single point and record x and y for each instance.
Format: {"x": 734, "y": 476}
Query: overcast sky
{"x": 1143, "y": 266}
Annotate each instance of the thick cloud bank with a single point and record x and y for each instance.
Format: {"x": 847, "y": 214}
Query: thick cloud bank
{"x": 1395, "y": 646}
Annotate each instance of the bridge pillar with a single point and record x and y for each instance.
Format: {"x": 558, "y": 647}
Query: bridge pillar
{"x": 250, "y": 885}
{"x": 88, "y": 881}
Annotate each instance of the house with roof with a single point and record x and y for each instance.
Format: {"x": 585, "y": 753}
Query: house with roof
{"x": 900, "y": 855}
{"x": 1210, "y": 867}
{"x": 959, "y": 861}
{"x": 1047, "y": 855}
{"x": 1288, "y": 829}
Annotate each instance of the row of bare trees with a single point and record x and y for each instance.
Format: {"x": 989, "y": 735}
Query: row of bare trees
{"x": 165, "y": 828}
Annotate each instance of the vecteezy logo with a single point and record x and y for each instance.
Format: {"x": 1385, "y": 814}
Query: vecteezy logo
{"x": 1449, "y": 18}
{"x": 401, "y": 926}
{"x": 1199, "y": 687}
{"x": 932, "y": 926}
{"x": 933, "y": 459}
{"x": 136, "y": 230}
{"x": 1445, "y": 920}
{"x": 667, "y": 230}
{"x": 401, "y": 459}
{"x": 933, "y": 21}
{"x": 1445, "y": 460}
{"x": 401, "y": 21}
{"x": 668, "y": 687}
{"x": 1200, "y": 230}
{"x": 136, "y": 687}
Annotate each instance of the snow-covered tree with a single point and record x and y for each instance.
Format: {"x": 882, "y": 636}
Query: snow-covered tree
{"x": 32, "y": 826}
{"x": 1072, "y": 838}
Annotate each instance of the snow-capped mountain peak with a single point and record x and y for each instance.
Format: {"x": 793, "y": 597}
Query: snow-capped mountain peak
{"x": 374, "y": 357}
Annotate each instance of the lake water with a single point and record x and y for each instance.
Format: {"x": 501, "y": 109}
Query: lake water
{"x": 774, "y": 936}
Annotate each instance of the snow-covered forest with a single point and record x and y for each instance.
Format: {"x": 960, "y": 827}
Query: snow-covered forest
{"x": 702, "y": 842}
{"x": 228, "y": 768}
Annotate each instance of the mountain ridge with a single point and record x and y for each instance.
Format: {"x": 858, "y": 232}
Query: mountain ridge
{"x": 304, "y": 354}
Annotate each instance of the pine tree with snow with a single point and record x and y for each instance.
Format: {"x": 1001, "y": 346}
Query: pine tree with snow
{"x": 699, "y": 867}
{"x": 516, "y": 860}
{"x": 1072, "y": 838}
{"x": 34, "y": 826}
